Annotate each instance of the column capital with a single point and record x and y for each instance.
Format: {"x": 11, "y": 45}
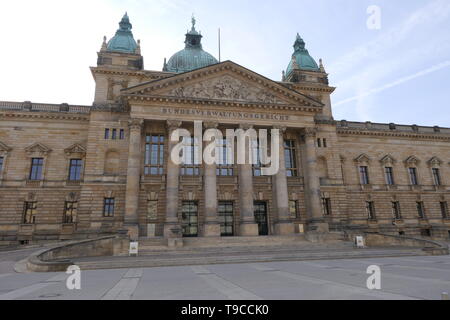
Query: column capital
{"x": 173, "y": 124}
{"x": 309, "y": 132}
{"x": 210, "y": 125}
{"x": 245, "y": 126}
{"x": 136, "y": 124}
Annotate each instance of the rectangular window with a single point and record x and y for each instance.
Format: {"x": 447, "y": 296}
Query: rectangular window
{"x": 421, "y": 209}
{"x": 293, "y": 209}
{"x": 225, "y": 166}
{"x": 290, "y": 156}
{"x": 75, "y": 169}
{"x": 319, "y": 143}
{"x": 152, "y": 210}
{"x": 106, "y": 134}
{"x": 1, "y": 164}
{"x": 29, "y": 212}
{"x": 437, "y": 177}
{"x": 257, "y": 170}
{"x": 364, "y": 174}
{"x": 444, "y": 209}
{"x": 36, "y": 169}
{"x": 108, "y": 207}
{"x": 70, "y": 211}
{"x": 190, "y": 165}
{"x": 370, "y": 208}
{"x": 189, "y": 214}
{"x": 325, "y": 145}
{"x": 154, "y": 155}
{"x": 389, "y": 171}
{"x": 122, "y": 134}
{"x": 114, "y": 134}
{"x": 326, "y": 206}
{"x": 226, "y": 218}
{"x": 396, "y": 213}
{"x": 413, "y": 176}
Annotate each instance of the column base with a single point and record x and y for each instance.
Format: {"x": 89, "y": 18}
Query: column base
{"x": 211, "y": 230}
{"x": 249, "y": 230}
{"x": 173, "y": 231}
{"x": 284, "y": 228}
{"x": 132, "y": 231}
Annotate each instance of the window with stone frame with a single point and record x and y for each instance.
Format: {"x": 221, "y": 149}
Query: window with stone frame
{"x": 122, "y": 134}
{"x": 370, "y": 209}
{"x": 2, "y": 159}
{"x": 290, "y": 155}
{"x": 396, "y": 212}
{"x": 326, "y": 206}
{"x": 420, "y": 209}
{"x": 364, "y": 175}
{"x": 413, "y": 176}
{"x": 75, "y": 169}
{"x": 154, "y": 154}
{"x": 106, "y": 134}
{"x": 436, "y": 176}
{"x": 29, "y": 212}
{"x": 293, "y": 209}
{"x": 36, "y": 171}
{"x": 225, "y": 166}
{"x": 70, "y": 211}
{"x": 190, "y": 164}
{"x": 444, "y": 209}
{"x": 108, "y": 207}
{"x": 389, "y": 174}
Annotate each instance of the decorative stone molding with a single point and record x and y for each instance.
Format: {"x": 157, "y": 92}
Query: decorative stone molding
{"x": 76, "y": 150}
{"x": 309, "y": 132}
{"x": 4, "y": 149}
{"x": 72, "y": 197}
{"x": 434, "y": 162}
{"x": 38, "y": 149}
{"x": 30, "y": 197}
{"x": 281, "y": 128}
{"x": 363, "y": 159}
{"x": 388, "y": 160}
{"x": 109, "y": 194}
{"x": 210, "y": 125}
{"x": 245, "y": 126}
{"x": 174, "y": 124}
{"x": 136, "y": 124}
{"x": 153, "y": 196}
{"x": 412, "y": 161}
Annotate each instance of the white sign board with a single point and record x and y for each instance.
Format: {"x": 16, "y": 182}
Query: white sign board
{"x": 134, "y": 248}
{"x": 359, "y": 241}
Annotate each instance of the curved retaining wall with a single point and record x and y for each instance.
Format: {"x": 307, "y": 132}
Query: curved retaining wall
{"x": 57, "y": 258}
{"x": 431, "y": 247}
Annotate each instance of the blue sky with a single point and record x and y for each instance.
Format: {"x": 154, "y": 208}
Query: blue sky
{"x": 400, "y": 73}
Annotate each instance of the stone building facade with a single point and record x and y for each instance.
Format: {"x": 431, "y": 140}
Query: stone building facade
{"x": 73, "y": 172}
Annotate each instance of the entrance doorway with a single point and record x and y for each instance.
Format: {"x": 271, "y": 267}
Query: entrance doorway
{"x": 189, "y": 222}
{"x": 226, "y": 218}
{"x": 261, "y": 217}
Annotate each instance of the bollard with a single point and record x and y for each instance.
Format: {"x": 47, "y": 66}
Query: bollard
{"x": 445, "y": 296}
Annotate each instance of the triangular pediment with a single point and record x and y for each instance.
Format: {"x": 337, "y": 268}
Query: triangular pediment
{"x": 363, "y": 158}
{"x": 435, "y": 162}
{"x": 38, "y": 148}
{"x": 76, "y": 148}
{"x": 4, "y": 147}
{"x": 387, "y": 160}
{"x": 412, "y": 160}
{"x": 225, "y": 81}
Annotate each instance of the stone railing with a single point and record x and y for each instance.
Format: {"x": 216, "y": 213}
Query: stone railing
{"x": 41, "y": 107}
{"x": 57, "y": 258}
{"x": 430, "y": 247}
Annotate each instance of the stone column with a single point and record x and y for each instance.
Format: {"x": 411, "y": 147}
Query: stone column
{"x": 131, "y": 222}
{"x": 212, "y": 225}
{"x": 248, "y": 226}
{"x": 316, "y": 221}
{"x": 284, "y": 224}
{"x": 172, "y": 227}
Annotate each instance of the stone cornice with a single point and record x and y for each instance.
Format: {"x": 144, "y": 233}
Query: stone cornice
{"x": 225, "y": 103}
{"x": 437, "y": 136}
{"x": 153, "y": 75}
{"x": 43, "y": 116}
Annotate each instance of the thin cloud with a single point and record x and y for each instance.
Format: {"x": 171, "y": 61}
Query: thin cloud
{"x": 398, "y": 82}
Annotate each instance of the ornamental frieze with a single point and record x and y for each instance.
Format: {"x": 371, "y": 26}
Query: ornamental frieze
{"x": 225, "y": 88}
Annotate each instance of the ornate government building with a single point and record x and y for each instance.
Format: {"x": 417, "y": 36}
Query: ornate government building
{"x": 75, "y": 172}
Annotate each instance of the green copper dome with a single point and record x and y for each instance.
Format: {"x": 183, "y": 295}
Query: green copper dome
{"x": 301, "y": 58}
{"x": 123, "y": 41}
{"x": 192, "y": 56}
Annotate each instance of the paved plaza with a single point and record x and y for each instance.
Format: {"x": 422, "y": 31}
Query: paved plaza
{"x": 401, "y": 278}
